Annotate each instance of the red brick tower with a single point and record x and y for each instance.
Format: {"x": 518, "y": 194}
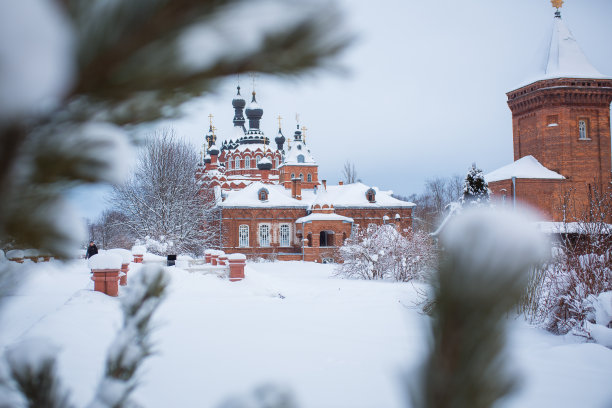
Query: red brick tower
{"x": 563, "y": 120}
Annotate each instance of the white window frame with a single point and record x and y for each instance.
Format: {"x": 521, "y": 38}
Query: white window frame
{"x": 257, "y": 159}
{"x": 264, "y": 235}
{"x": 309, "y": 177}
{"x": 229, "y": 164}
{"x": 284, "y": 239}
{"x": 237, "y": 166}
{"x": 247, "y": 162}
{"x": 243, "y": 236}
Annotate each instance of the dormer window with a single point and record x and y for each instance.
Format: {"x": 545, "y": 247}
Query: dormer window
{"x": 262, "y": 194}
{"x": 300, "y": 158}
{"x": 371, "y": 195}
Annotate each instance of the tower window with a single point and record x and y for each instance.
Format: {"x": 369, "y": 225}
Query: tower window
{"x": 301, "y": 177}
{"x": 247, "y": 162}
{"x": 583, "y": 129}
{"x": 300, "y": 158}
{"x": 237, "y": 166}
{"x": 264, "y": 235}
{"x": 243, "y": 236}
{"x": 285, "y": 237}
{"x": 292, "y": 176}
{"x": 277, "y": 162}
{"x": 309, "y": 177}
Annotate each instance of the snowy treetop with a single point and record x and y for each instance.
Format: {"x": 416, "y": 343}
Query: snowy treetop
{"x": 527, "y": 167}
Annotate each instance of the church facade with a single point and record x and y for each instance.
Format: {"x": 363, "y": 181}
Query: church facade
{"x": 561, "y": 135}
{"x": 271, "y": 201}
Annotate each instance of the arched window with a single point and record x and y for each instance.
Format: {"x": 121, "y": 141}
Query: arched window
{"x": 285, "y": 235}
{"x": 247, "y": 162}
{"x": 262, "y": 194}
{"x": 371, "y": 195}
{"x": 264, "y": 235}
{"x": 300, "y": 158}
{"x": 292, "y": 176}
{"x": 277, "y": 162}
{"x": 309, "y": 177}
{"x": 243, "y": 236}
{"x": 237, "y": 166}
{"x": 582, "y": 129}
{"x": 229, "y": 164}
{"x": 257, "y": 159}
{"x": 301, "y": 177}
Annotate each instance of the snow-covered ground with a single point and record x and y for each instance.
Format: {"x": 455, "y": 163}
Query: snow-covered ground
{"x": 333, "y": 342}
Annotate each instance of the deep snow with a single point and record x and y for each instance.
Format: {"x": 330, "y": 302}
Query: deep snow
{"x": 333, "y": 342}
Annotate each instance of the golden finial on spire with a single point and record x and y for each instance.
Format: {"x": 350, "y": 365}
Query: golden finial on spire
{"x": 557, "y": 4}
{"x": 279, "y": 121}
{"x": 304, "y": 129}
{"x": 210, "y": 116}
{"x": 214, "y": 129}
{"x": 253, "y": 76}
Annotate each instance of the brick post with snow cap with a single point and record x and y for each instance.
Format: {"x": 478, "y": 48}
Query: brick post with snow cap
{"x": 105, "y": 268}
{"x": 15, "y": 255}
{"x": 208, "y": 255}
{"x": 126, "y": 258}
{"x": 237, "y": 263}
{"x": 222, "y": 260}
{"x": 138, "y": 251}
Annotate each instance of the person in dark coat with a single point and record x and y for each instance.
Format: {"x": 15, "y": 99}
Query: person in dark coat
{"x": 92, "y": 249}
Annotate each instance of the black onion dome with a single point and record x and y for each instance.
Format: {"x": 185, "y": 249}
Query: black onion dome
{"x": 238, "y": 102}
{"x": 264, "y": 164}
{"x": 214, "y": 150}
{"x": 254, "y": 112}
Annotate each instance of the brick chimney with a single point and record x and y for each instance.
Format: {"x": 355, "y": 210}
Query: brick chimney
{"x": 296, "y": 188}
{"x": 341, "y": 183}
{"x": 324, "y": 184}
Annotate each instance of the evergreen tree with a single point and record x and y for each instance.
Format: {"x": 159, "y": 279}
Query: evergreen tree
{"x": 475, "y": 187}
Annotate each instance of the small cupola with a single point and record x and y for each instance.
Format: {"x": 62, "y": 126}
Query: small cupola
{"x": 264, "y": 164}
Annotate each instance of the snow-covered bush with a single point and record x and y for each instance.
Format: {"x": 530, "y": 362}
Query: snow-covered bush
{"x": 385, "y": 253}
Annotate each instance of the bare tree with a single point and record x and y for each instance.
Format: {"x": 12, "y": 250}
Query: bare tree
{"x": 349, "y": 174}
{"x": 162, "y": 200}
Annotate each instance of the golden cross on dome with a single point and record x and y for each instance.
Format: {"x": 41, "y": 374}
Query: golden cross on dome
{"x": 557, "y": 4}
{"x": 253, "y": 76}
{"x": 304, "y": 129}
{"x": 210, "y": 116}
{"x": 279, "y": 121}
{"x": 214, "y": 129}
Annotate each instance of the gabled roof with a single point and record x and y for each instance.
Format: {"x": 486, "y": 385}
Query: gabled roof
{"x": 527, "y": 167}
{"x": 299, "y": 148}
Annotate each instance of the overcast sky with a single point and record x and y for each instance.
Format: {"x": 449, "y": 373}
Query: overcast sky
{"x": 424, "y": 95}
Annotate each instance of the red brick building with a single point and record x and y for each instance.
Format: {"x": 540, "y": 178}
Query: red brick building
{"x": 561, "y": 134}
{"x": 271, "y": 201}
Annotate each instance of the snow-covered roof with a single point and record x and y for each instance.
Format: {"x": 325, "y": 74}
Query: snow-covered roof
{"x": 265, "y": 160}
{"x": 564, "y": 58}
{"x": 323, "y": 217}
{"x": 354, "y": 195}
{"x": 298, "y": 148}
{"x": 248, "y": 197}
{"x": 527, "y": 167}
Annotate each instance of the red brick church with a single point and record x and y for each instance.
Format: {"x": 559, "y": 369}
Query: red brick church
{"x": 271, "y": 200}
{"x": 561, "y": 134}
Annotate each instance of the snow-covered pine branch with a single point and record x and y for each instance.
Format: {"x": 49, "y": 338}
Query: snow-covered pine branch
{"x": 133, "y": 342}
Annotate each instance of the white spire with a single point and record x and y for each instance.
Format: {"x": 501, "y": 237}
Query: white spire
{"x": 565, "y": 58}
